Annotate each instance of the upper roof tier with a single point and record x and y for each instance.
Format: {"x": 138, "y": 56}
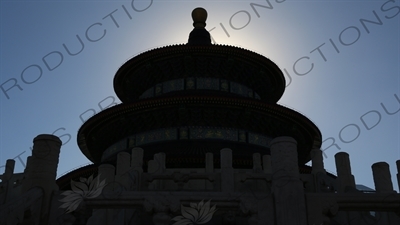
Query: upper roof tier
{"x": 199, "y": 59}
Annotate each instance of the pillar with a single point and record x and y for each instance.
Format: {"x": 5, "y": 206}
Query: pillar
{"x": 137, "y": 159}
{"x": 7, "y": 183}
{"x": 123, "y": 170}
{"x": 383, "y": 184}
{"x": 267, "y": 164}
{"x": 257, "y": 162}
{"x": 107, "y": 172}
{"x": 209, "y": 169}
{"x": 344, "y": 177}
{"x": 160, "y": 160}
{"x": 41, "y": 168}
{"x": 227, "y": 179}
{"x": 287, "y": 187}
{"x": 382, "y": 178}
{"x": 9, "y": 170}
{"x": 111, "y": 190}
{"x": 137, "y": 166}
{"x": 317, "y": 161}
{"x": 157, "y": 166}
{"x": 398, "y": 173}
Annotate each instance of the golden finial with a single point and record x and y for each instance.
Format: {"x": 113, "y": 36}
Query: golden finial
{"x": 199, "y": 16}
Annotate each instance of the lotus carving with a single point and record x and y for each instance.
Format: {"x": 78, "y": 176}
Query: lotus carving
{"x": 86, "y": 188}
{"x": 199, "y": 213}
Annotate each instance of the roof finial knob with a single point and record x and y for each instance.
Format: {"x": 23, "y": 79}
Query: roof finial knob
{"x": 199, "y": 16}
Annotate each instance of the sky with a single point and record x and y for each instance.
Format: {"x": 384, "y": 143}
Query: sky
{"x": 340, "y": 60}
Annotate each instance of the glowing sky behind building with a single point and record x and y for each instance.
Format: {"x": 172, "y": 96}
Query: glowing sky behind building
{"x": 340, "y": 59}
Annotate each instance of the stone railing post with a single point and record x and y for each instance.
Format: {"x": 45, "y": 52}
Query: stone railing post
{"x": 227, "y": 177}
{"x": 398, "y": 173}
{"x": 122, "y": 170}
{"x": 382, "y": 178}
{"x": 41, "y": 168}
{"x": 343, "y": 169}
{"x": 287, "y": 187}
{"x": 317, "y": 161}
{"x": 383, "y": 184}
{"x": 156, "y": 166}
{"x": 7, "y": 183}
{"x": 137, "y": 166}
{"x": 209, "y": 169}
{"x": 160, "y": 159}
{"x": 161, "y": 208}
{"x": 137, "y": 159}
{"x": 267, "y": 164}
{"x": 105, "y": 216}
{"x": 9, "y": 170}
{"x": 257, "y": 163}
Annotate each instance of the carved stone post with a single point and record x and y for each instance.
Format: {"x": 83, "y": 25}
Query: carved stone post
{"x": 7, "y": 182}
{"x": 111, "y": 190}
{"x": 104, "y": 216}
{"x": 156, "y": 166}
{"x": 107, "y": 171}
{"x": 227, "y": 177}
{"x": 249, "y": 206}
{"x": 152, "y": 167}
{"x": 398, "y": 173}
{"x": 267, "y": 164}
{"x": 161, "y": 206}
{"x": 137, "y": 166}
{"x": 137, "y": 158}
{"x": 383, "y": 184}
{"x": 159, "y": 158}
{"x": 41, "y": 168}
{"x": 287, "y": 187}
{"x": 344, "y": 176}
{"x": 317, "y": 161}
{"x": 257, "y": 162}
{"x": 123, "y": 169}
{"x": 209, "y": 169}
{"x": 382, "y": 178}
{"x": 9, "y": 170}
{"x": 259, "y": 185}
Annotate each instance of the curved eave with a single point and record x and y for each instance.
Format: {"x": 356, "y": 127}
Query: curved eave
{"x": 113, "y": 124}
{"x": 180, "y": 61}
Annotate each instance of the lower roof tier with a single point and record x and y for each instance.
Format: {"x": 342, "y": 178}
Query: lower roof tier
{"x": 219, "y": 114}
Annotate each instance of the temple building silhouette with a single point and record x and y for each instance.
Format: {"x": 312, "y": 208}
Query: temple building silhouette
{"x": 198, "y": 139}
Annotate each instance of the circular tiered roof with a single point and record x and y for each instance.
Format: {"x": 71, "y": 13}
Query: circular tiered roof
{"x": 186, "y": 99}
